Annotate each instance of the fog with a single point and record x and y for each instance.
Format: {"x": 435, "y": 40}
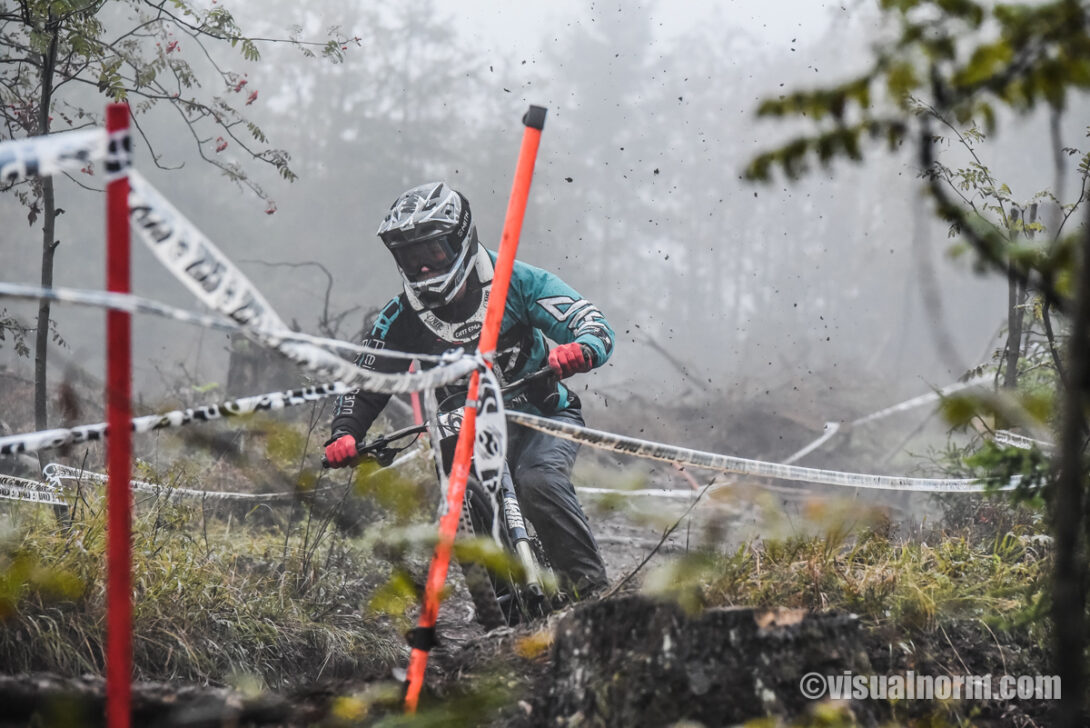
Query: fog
{"x": 809, "y": 294}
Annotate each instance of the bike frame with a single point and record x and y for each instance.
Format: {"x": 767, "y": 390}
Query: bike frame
{"x": 504, "y": 502}
{"x": 505, "y": 505}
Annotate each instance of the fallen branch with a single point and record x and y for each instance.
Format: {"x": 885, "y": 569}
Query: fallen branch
{"x": 665, "y": 535}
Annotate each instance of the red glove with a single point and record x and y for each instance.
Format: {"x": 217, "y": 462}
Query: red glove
{"x": 341, "y": 451}
{"x": 568, "y": 359}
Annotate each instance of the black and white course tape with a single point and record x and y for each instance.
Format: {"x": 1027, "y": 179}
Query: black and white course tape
{"x": 47, "y": 439}
{"x": 21, "y": 489}
{"x": 57, "y": 473}
{"x": 137, "y": 304}
{"x": 731, "y": 464}
{"x": 832, "y": 428}
{"x": 219, "y": 284}
{"x": 45, "y": 156}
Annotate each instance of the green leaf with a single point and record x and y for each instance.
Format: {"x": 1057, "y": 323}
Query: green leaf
{"x": 985, "y": 62}
{"x": 901, "y": 80}
{"x": 959, "y": 409}
{"x": 255, "y": 131}
{"x": 396, "y": 595}
{"x": 487, "y": 552}
{"x": 249, "y": 50}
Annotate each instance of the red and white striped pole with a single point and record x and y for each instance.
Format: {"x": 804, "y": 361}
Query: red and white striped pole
{"x": 118, "y": 419}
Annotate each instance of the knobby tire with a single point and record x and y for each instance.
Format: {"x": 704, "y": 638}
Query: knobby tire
{"x": 480, "y": 582}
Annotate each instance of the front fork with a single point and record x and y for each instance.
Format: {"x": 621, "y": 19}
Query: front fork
{"x": 520, "y": 538}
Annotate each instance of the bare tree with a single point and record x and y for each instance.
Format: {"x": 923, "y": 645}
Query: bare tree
{"x": 55, "y": 51}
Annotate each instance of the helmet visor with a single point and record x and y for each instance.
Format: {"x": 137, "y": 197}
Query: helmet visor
{"x": 425, "y": 259}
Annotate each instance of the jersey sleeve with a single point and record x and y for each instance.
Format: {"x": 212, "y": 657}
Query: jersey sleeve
{"x": 357, "y": 410}
{"x": 561, "y": 313}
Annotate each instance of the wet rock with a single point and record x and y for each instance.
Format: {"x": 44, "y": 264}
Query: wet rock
{"x": 633, "y": 661}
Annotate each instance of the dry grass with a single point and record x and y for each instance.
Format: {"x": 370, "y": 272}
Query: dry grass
{"x": 911, "y": 583}
{"x": 215, "y": 600}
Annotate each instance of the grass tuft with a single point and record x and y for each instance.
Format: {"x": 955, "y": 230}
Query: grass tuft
{"x": 215, "y": 601}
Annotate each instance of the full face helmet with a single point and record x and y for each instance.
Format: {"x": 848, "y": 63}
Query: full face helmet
{"x": 430, "y": 231}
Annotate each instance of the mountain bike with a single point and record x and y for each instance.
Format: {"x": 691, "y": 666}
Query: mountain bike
{"x": 521, "y": 588}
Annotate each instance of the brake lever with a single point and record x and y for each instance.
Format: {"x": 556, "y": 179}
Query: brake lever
{"x": 366, "y": 450}
{"x": 383, "y": 457}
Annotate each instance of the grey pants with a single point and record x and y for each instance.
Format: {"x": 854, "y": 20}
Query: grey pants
{"x": 541, "y": 465}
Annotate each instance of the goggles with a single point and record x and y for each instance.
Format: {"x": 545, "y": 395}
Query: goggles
{"x": 426, "y": 259}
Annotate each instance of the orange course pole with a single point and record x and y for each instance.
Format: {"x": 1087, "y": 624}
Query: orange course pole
{"x": 422, "y": 638}
{"x": 418, "y": 411}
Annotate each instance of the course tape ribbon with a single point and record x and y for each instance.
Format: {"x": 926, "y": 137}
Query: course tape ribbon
{"x": 44, "y": 156}
{"x": 118, "y": 154}
{"x": 678, "y": 493}
{"x": 56, "y": 472}
{"x": 195, "y": 261}
{"x": 831, "y": 428}
{"x": 46, "y": 439}
{"x": 920, "y": 400}
{"x": 730, "y": 464}
{"x": 221, "y": 286}
{"x": 21, "y": 489}
{"x": 1013, "y": 439}
{"x": 137, "y": 304}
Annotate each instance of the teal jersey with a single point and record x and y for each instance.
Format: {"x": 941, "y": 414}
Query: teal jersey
{"x": 540, "y": 306}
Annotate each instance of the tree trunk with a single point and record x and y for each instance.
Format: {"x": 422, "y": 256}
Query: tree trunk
{"x": 49, "y": 245}
{"x": 1068, "y": 516}
{"x": 632, "y": 661}
{"x": 1016, "y": 301}
{"x": 1058, "y": 157}
{"x": 41, "y": 341}
{"x": 1016, "y": 298}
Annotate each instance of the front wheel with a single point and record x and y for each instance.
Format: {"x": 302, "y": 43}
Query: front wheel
{"x": 493, "y": 595}
{"x": 500, "y": 599}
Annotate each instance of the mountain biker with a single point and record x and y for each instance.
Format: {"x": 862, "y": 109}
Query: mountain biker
{"x": 447, "y": 278}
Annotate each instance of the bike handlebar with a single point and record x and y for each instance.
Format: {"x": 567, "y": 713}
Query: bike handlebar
{"x": 384, "y": 455}
{"x": 542, "y": 373}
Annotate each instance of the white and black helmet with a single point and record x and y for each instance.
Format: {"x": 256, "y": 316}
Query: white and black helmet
{"x": 430, "y": 231}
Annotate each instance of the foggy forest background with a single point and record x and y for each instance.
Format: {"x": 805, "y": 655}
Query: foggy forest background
{"x": 808, "y": 298}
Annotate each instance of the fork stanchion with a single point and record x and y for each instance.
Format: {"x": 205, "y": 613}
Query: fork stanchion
{"x": 423, "y": 637}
